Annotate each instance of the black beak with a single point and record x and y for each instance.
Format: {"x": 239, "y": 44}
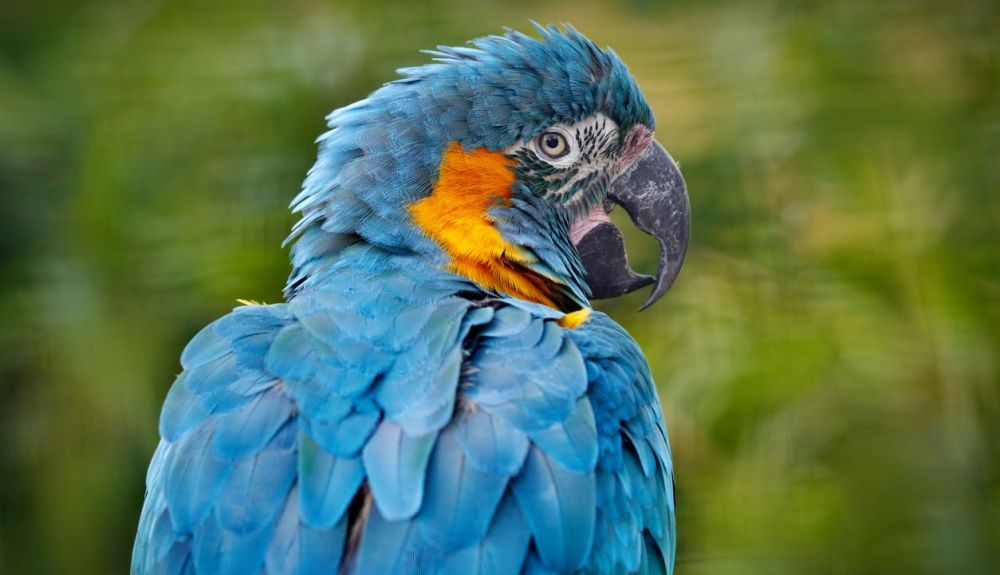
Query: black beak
{"x": 654, "y": 195}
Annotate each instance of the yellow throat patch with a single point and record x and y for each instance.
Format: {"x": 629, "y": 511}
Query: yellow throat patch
{"x": 456, "y": 216}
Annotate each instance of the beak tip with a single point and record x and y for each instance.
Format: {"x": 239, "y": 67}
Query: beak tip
{"x": 654, "y": 296}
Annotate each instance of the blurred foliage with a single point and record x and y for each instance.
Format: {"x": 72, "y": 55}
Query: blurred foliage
{"x": 828, "y": 361}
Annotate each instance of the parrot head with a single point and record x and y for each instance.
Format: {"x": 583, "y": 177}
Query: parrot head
{"x": 499, "y": 162}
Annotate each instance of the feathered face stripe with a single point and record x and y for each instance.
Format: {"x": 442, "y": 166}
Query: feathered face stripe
{"x": 581, "y": 178}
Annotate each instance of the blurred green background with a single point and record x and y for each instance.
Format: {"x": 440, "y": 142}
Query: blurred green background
{"x": 828, "y": 360}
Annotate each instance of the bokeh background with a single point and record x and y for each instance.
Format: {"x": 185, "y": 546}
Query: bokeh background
{"x": 828, "y": 360}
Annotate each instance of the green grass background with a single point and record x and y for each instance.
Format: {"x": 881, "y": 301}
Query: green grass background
{"x": 828, "y": 360}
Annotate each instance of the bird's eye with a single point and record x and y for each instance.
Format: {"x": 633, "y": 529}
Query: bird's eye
{"x": 553, "y": 145}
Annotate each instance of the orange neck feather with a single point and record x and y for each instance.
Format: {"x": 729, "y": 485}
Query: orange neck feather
{"x": 456, "y": 216}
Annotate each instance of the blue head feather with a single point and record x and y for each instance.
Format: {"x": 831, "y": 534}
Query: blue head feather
{"x": 382, "y": 153}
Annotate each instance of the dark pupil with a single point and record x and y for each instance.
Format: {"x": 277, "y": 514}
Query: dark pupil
{"x": 552, "y": 141}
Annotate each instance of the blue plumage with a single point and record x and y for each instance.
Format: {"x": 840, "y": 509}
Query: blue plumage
{"x": 396, "y": 463}
{"x": 559, "y": 507}
{"x": 490, "y": 444}
{"x": 327, "y": 483}
{"x": 460, "y": 498}
{"x": 500, "y": 552}
{"x": 394, "y": 416}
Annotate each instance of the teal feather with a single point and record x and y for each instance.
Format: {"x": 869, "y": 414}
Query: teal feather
{"x": 490, "y": 444}
{"x": 559, "y": 507}
{"x": 460, "y": 499}
{"x": 500, "y": 552}
{"x": 327, "y": 484}
{"x": 245, "y": 431}
{"x": 395, "y": 463}
{"x": 193, "y": 478}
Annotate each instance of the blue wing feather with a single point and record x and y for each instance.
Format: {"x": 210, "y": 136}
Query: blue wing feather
{"x": 394, "y": 547}
{"x": 320, "y": 549}
{"x": 346, "y": 437}
{"x": 501, "y": 551}
{"x": 246, "y": 430}
{"x": 460, "y": 499}
{"x": 205, "y": 347}
{"x": 283, "y": 552}
{"x": 214, "y": 375}
{"x": 181, "y": 411}
{"x": 327, "y": 483}
{"x": 497, "y": 442}
{"x": 395, "y": 465}
{"x": 559, "y": 507}
{"x": 571, "y": 443}
{"x": 193, "y": 478}
{"x": 258, "y": 487}
{"x": 220, "y": 551}
{"x": 635, "y": 485}
{"x": 490, "y": 444}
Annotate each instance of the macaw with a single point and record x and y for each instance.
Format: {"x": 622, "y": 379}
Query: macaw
{"x": 435, "y": 394}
